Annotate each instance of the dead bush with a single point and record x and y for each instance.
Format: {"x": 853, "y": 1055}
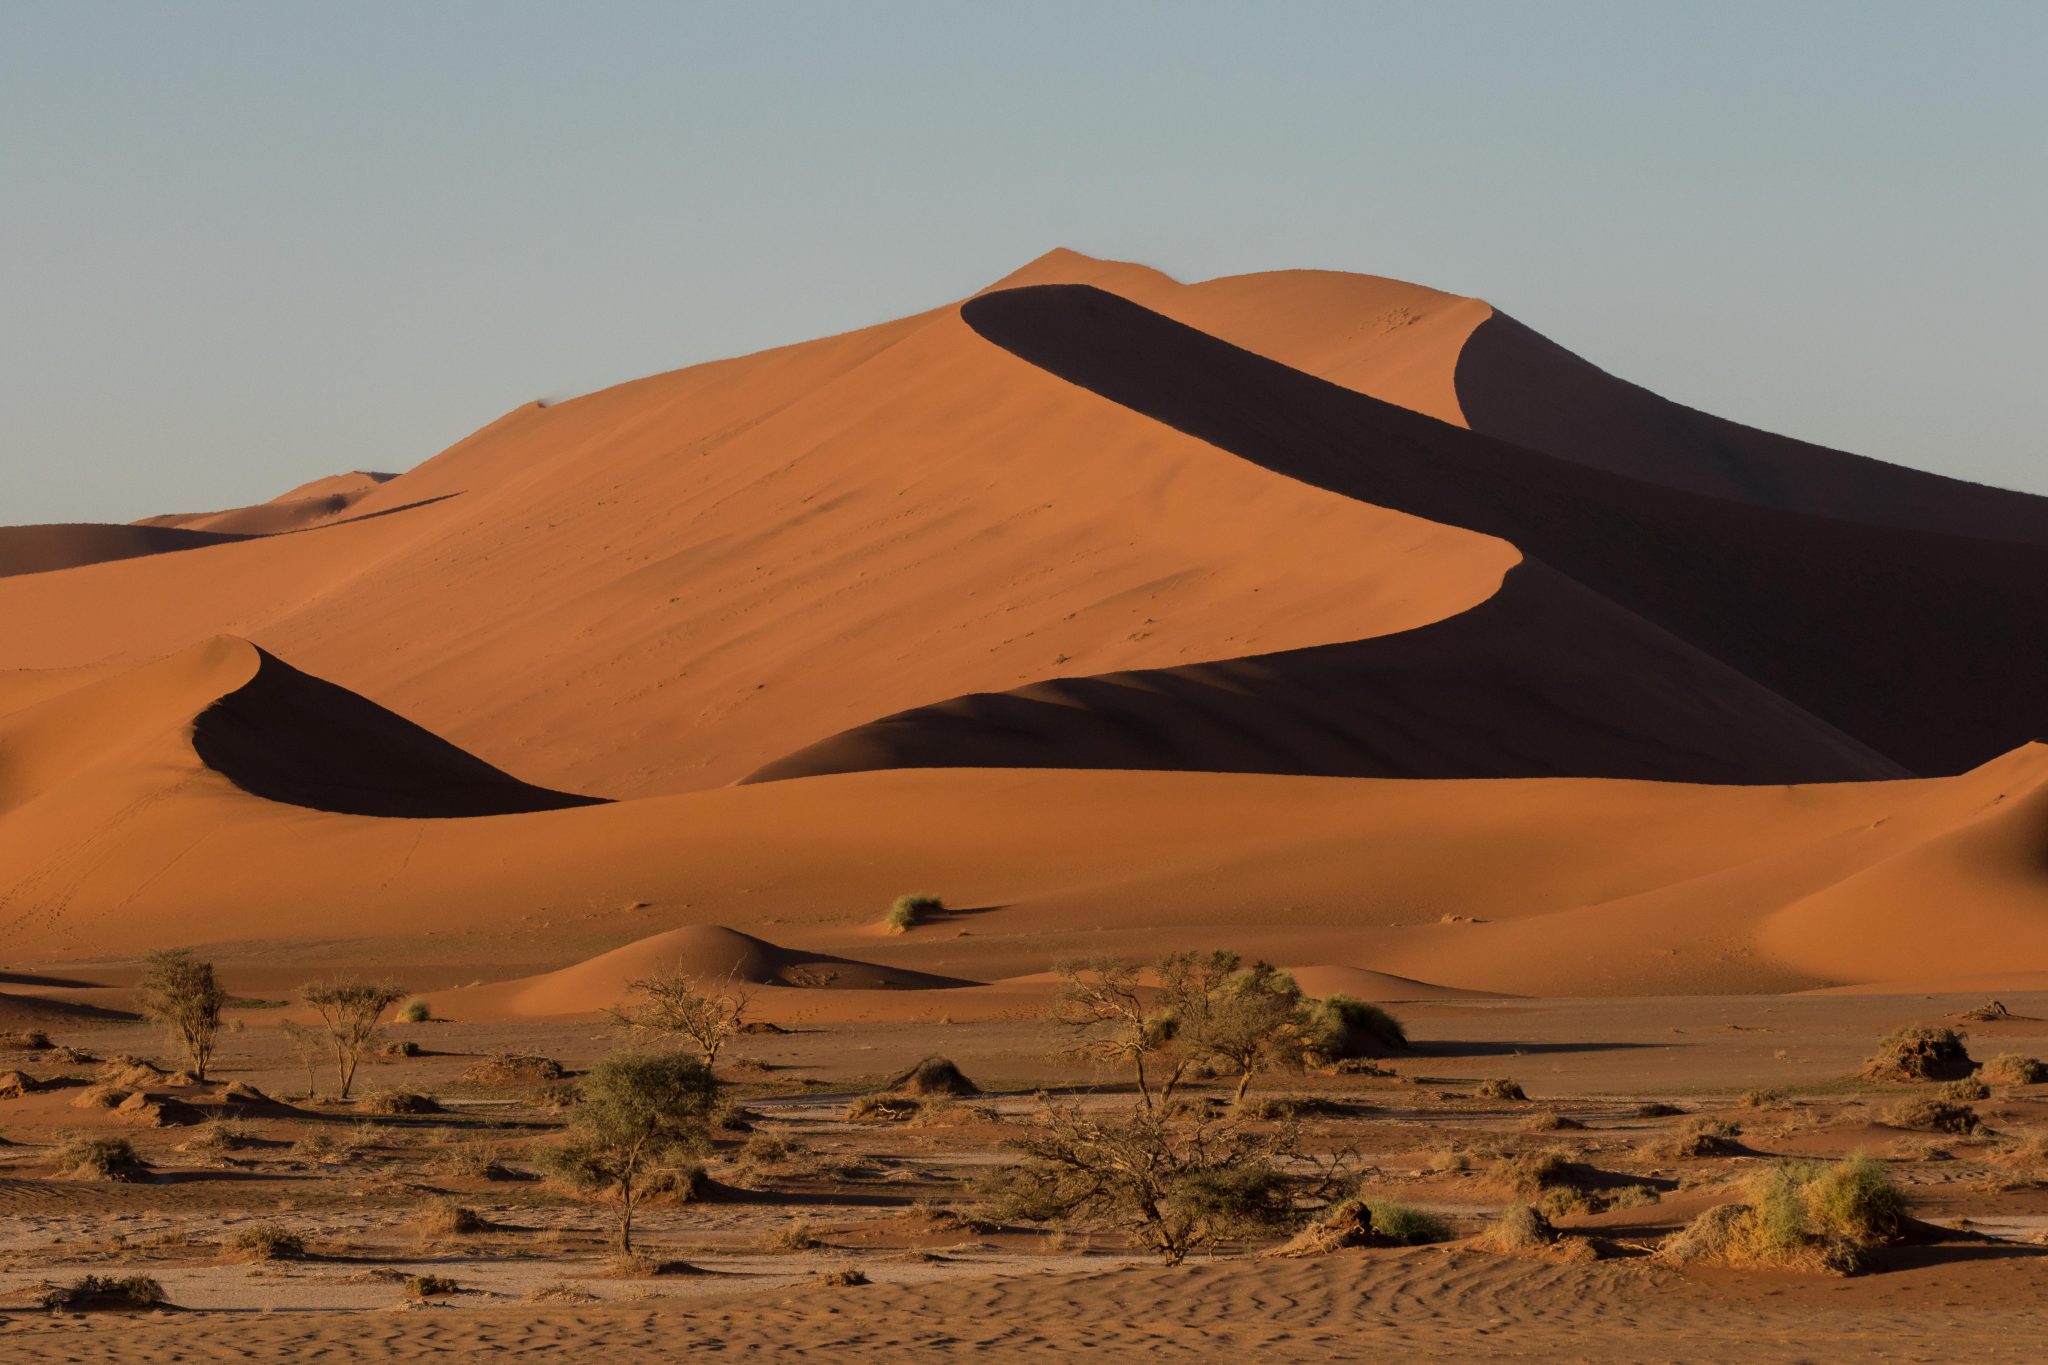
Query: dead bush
{"x": 1934, "y": 1115}
{"x": 398, "y": 1102}
{"x": 514, "y": 1069}
{"x": 1919, "y": 1053}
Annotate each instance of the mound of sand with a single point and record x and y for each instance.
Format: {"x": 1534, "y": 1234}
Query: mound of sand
{"x": 46, "y": 549}
{"x": 310, "y": 504}
{"x": 711, "y": 953}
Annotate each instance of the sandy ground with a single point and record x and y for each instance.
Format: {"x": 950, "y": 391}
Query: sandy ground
{"x": 890, "y": 1200}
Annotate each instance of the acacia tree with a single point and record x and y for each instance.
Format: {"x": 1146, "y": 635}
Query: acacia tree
{"x": 1114, "y": 1020}
{"x": 1175, "y": 1176}
{"x": 178, "y": 990}
{"x": 1247, "y": 1018}
{"x": 639, "y": 1114}
{"x": 670, "y": 1005}
{"x": 350, "y": 1008}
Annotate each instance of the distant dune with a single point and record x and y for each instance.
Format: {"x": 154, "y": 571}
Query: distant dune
{"x": 1336, "y": 620}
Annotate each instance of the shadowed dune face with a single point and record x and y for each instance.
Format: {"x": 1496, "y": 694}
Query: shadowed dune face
{"x": 289, "y": 737}
{"x": 1544, "y": 679}
{"x": 1522, "y": 387}
{"x": 1794, "y": 602}
{"x": 46, "y": 549}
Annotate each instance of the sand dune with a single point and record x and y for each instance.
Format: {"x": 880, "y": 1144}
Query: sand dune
{"x": 710, "y": 952}
{"x": 122, "y": 838}
{"x": 46, "y": 549}
{"x": 307, "y": 505}
{"x": 1106, "y": 606}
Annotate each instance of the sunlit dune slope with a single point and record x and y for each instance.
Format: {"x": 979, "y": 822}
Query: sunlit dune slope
{"x": 310, "y": 504}
{"x": 45, "y": 549}
{"x": 122, "y": 839}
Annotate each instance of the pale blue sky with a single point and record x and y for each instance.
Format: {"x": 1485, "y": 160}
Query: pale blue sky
{"x": 247, "y": 244}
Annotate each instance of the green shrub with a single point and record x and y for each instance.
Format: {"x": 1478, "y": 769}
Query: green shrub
{"x": 907, "y": 912}
{"x": 1338, "y": 1028}
{"x": 1406, "y": 1225}
{"x": 1798, "y": 1216}
{"x": 415, "y": 1011}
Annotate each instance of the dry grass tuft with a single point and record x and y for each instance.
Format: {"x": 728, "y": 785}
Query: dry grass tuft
{"x": 266, "y": 1242}
{"x": 397, "y": 1102}
{"x": 99, "y": 1158}
{"x": 1498, "y": 1088}
{"x": 1798, "y": 1216}
{"x": 1520, "y": 1228}
{"x": 430, "y": 1287}
{"x": 2011, "y": 1068}
{"x": 515, "y": 1068}
{"x": 447, "y": 1218}
{"x": 1933, "y": 1114}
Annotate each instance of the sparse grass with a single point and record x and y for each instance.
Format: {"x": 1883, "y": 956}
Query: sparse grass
{"x": 560, "y": 1291}
{"x": 1445, "y": 1160}
{"x": 1968, "y": 1090}
{"x": 1633, "y": 1197}
{"x": 218, "y": 1136}
{"x": 447, "y": 1218}
{"x": 1701, "y": 1135}
{"x": 267, "y": 1242}
{"x": 100, "y": 1158}
{"x": 2011, "y": 1068}
{"x": 1406, "y": 1225}
{"x": 1933, "y": 1114}
{"x": 1531, "y": 1173}
{"x": 796, "y": 1236}
{"x": 475, "y": 1159}
{"x": 907, "y": 912}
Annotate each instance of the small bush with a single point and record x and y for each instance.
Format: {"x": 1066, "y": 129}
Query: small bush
{"x": 217, "y": 1137}
{"x": 933, "y": 1076}
{"x": 796, "y": 1237}
{"x": 1445, "y": 1160}
{"x": 767, "y": 1149}
{"x": 843, "y": 1277}
{"x": 400, "y": 1047}
{"x": 1968, "y": 1090}
{"x": 27, "y": 1040}
{"x": 1550, "y": 1121}
{"x": 106, "y": 1292}
{"x": 476, "y": 1160}
{"x": 2010, "y": 1068}
{"x": 1498, "y": 1088}
{"x": 415, "y": 1011}
{"x": 1657, "y": 1109}
{"x": 1405, "y": 1225}
{"x": 398, "y": 1102}
{"x": 430, "y": 1287}
{"x": 1798, "y": 1216}
{"x": 1520, "y": 1227}
{"x": 1530, "y": 1174}
{"x": 1762, "y": 1098}
{"x": 896, "y": 1108}
{"x": 515, "y": 1068}
{"x": 1339, "y": 1028}
{"x": 1919, "y": 1053}
{"x": 560, "y": 1291}
{"x": 267, "y": 1242}
{"x": 1936, "y": 1115}
{"x": 100, "y": 1158}
{"x": 1701, "y": 1136}
{"x": 446, "y": 1218}
{"x": 907, "y": 912}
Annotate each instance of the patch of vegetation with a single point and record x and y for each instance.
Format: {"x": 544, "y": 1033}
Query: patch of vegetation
{"x": 907, "y": 912}
{"x": 1762, "y": 1098}
{"x": 99, "y": 1158}
{"x": 1933, "y": 1114}
{"x": 1521, "y": 1227}
{"x": 105, "y": 1292}
{"x": 1700, "y": 1136}
{"x": 1968, "y": 1090}
{"x": 267, "y": 1242}
{"x": 350, "y": 1009}
{"x": 178, "y": 990}
{"x": 447, "y": 1218}
{"x": 1498, "y": 1088}
{"x": 843, "y": 1277}
{"x": 933, "y": 1076}
{"x": 2011, "y": 1068}
{"x": 1405, "y": 1225}
{"x": 515, "y": 1068}
{"x": 639, "y": 1114}
{"x": 560, "y": 1291}
{"x": 1919, "y": 1053}
{"x": 1798, "y": 1216}
{"x": 1340, "y": 1028}
{"x": 415, "y": 1011}
{"x": 400, "y": 1047}
{"x": 672, "y": 1005}
{"x": 397, "y": 1102}
{"x": 26, "y": 1040}
{"x": 430, "y": 1287}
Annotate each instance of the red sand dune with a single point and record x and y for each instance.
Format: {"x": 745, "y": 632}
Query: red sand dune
{"x": 307, "y": 505}
{"x": 45, "y": 549}
{"x": 942, "y": 577}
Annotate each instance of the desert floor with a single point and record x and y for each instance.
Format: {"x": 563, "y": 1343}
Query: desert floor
{"x": 896, "y": 1199}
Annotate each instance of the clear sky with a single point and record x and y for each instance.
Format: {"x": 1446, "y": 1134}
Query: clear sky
{"x": 246, "y": 244}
